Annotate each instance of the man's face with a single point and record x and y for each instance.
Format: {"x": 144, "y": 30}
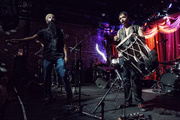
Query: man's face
{"x": 50, "y": 18}
{"x": 123, "y": 19}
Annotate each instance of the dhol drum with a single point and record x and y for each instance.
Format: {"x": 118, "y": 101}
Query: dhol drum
{"x": 170, "y": 81}
{"x": 138, "y": 55}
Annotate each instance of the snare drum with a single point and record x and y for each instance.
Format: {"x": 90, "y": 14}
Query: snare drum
{"x": 138, "y": 55}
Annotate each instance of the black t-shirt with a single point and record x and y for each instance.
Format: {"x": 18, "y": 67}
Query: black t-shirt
{"x": 53, "y": 44}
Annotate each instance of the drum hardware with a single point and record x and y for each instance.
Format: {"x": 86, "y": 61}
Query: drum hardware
{"x": 97, "y": 73}
{"x": 158, "y": 87}
{"x": 169, "y": 80}
{"x": 174, "y": 67}
{"x": 167, "y": 63}
{"x": 176, "y": 70}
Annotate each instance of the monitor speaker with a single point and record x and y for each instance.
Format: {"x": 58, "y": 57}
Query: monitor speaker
{"x": 101, "y": 83}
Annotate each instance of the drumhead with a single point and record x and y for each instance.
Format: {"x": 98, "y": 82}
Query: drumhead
{"x": 170, "y": 82}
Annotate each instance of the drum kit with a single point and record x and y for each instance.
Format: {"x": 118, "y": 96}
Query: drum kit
{"x": 170, "y": 79}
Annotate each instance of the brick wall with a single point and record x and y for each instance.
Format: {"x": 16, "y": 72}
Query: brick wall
{"x": 89, "y": 34}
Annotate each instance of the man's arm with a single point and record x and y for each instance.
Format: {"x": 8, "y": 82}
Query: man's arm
{"x": 23, "y": 39}
{"x": 140, "y": 34}
{"x": 65, "y": 51}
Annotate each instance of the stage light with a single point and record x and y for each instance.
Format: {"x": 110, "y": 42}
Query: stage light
{"x": 103, "y": 14}
{"x": 170, "y": 5}
{"x": 102, "y": 54}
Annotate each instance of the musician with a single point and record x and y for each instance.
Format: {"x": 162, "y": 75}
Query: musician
{"x": 54, "y": 52}
{"x": 130, "y": 78}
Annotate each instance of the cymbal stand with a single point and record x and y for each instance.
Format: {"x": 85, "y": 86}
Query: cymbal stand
{"x": 101, "y": 102}
{"x": 158, "y": 87}
{"x": 75, "y": 71}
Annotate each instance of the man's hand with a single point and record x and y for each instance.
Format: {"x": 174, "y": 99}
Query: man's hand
{"x": 140, "y": 37}
{"x": 116, "y": 38}
{"x": 135, "y": 34}
{"x": 65, "y": 59}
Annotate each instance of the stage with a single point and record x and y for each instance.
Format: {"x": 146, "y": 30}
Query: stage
{"x": 159, "y": 106}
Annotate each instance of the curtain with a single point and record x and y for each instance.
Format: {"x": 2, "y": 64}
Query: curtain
{"x": 163, "y": 36}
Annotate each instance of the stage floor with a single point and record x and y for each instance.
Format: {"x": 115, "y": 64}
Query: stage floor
{"x": 159, "y": 106}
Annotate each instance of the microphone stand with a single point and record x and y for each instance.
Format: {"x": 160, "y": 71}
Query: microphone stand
{"x": 80, "y": 74}
{"x": 75, "y": 69}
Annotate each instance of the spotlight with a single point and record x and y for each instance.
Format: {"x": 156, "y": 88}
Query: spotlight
{"x": 170, "y": 5}
{"x": 103, "y": 14}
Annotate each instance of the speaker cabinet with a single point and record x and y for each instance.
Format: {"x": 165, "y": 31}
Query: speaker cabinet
{"x": 101, "y": 83}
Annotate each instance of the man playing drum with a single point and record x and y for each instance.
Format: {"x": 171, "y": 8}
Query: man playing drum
{"x": 129, "y": 76}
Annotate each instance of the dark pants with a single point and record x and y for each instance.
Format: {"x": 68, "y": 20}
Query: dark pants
{"x": 131, "y": 79}
{"x": 47, "y": 69}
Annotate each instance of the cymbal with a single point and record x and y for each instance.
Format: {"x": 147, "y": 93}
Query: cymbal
{"x": 171, "y": 62}
{"x": 175, "y": 60}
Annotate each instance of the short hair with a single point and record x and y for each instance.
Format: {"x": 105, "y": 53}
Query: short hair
{"x": 47, "y": 16}
{"x": 124, "y": 12}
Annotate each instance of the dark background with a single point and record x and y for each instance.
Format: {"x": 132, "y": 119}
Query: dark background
{"x": 80, "y": 19}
